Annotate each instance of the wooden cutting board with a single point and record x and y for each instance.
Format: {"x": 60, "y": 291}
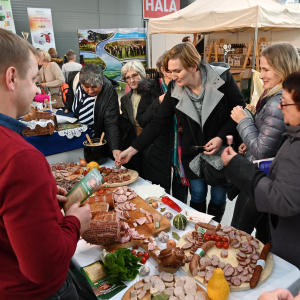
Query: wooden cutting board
{"x": 146, "y": 229}
{"x": 134, "y": 176}
{"x": 230, "y": 259}
{"x": 148, "y": 295}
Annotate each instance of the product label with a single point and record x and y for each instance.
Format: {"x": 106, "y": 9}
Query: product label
{"x": 261, "y": 263}
{"x": 84, "y": 188}
{"x": 201, "y": 230}
{"x": 200, "y": 252}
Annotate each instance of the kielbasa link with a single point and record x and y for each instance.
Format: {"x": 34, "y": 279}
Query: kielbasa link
{"x": 205, "y": 225}
{"x": 196, "y": 257}
{"x": 194, "y": 264}
{"x": 258, "y": 269}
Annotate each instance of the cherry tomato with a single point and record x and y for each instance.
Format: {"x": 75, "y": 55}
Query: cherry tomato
{"x": 101, "y": 191}
{"x": 146, "y": 255}
{"x": 213, "y": 237}
{"x": 143, "y": 261}
{"x": 218, "y": 238}
{"x": 133, "y": 252}
{"x": 225, "y": 245}
{"x": 112, "y": 250}
{"x": 219, "y": 245}
{"x": 77, "y": 172}
{"x": 224, "y": 239}
{"x": 58, "y": 168}
{"x": 140, "y": 254}
{"x": 105, "y": 179}
{"x": 207, "y": 238}
{"x": 85, "y": 172}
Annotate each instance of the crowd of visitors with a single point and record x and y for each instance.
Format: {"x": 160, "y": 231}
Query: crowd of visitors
{"x": 172, "y": 129}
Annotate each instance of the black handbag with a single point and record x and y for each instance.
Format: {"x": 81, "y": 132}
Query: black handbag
{"x": 210, "y": 175}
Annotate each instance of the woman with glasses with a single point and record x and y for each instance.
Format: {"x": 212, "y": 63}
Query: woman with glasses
{"x": 262, "y": 134}
{"x": 132, "y": 72}
{"x": 278, "y": 194}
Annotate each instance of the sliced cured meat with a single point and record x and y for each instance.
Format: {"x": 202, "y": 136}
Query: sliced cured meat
{"x": 190, "y": 239}
{"x": 242, "y": 255}
{"x": 187, "y": 246}
{"x": 221, "y": 265}
{"x": 236, "y": 281}
{"x": 224, "y": 253}
{"x": 229, "y": 271}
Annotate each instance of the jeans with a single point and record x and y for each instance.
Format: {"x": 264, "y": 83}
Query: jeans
{"x": 66, "y": 292}
{"x": 199, "y": 192}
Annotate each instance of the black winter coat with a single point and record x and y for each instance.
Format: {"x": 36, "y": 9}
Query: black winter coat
{"x": 156, "y": 158}
{"x": 106, "y": 112}
{"x": 221, "y": 96}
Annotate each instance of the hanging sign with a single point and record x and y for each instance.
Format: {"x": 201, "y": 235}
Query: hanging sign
{"x": 41, "y": 28}
{"x": 6, "y": 17}
{"x": 159, "y": 8}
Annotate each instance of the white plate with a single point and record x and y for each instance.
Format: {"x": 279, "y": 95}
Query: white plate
{"x": 149, "y": 190}
{"x": 196, "y": 216}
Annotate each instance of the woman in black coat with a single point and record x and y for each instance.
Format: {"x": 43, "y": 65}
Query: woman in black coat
{"x": 157, "y": 159}
{"x": 202, "y": 96}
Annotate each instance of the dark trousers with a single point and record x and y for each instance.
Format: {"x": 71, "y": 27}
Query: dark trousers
{"x": 246, "y": 218}
{"x": 66, "y": 292}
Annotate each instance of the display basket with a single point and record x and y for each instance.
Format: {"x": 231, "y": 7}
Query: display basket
{"x": 39, "y": 130}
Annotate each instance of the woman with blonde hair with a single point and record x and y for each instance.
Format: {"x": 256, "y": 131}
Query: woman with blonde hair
{"x": 202, "y": 97}
{"x": 50, "y": 76}
{"x": 262, "y": 134}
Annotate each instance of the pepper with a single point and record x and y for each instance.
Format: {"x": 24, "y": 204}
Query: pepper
{"x": 166, "y": 200}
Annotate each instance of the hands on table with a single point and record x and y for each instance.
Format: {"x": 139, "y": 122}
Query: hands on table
{"x": 238, "y": 113}
{"x": 83, "y": 213}
{"x": 278, "y": 294}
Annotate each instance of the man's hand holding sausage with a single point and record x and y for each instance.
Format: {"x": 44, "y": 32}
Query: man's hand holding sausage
{"x": 227, "y": 155}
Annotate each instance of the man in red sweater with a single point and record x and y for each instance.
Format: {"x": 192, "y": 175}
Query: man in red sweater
{"x": 36, "y": 240}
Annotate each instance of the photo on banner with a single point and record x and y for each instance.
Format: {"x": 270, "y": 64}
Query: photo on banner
{"x": 112, "y": 48}
{"x": 41, "y": 28}
{"x": 6, "y": 16}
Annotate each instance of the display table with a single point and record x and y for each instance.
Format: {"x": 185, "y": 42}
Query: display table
{"x": 284, "y": 274}
{"x": 52, "y": 144}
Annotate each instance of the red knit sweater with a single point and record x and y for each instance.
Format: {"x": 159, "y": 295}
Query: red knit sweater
{"x": 36, "y": 240}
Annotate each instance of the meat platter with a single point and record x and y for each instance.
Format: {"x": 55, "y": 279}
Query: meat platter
{"x": 132, "y": 174}
{"x": 132, "y": 217}
{"x": 166, "y": 283}
{"x": 239, "y": 263}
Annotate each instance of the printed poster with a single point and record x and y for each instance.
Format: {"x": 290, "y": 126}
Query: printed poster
{"x": 6, "y": 16}
{"x": 112, "y": 48}
{"x": 41, "y": 28}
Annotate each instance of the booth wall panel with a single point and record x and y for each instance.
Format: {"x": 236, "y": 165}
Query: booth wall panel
{"x": 70, "y": 15}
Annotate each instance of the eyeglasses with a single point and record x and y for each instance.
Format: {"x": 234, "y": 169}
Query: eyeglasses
{"x": 283, "y": 105}
{"x": 133, "y": 77}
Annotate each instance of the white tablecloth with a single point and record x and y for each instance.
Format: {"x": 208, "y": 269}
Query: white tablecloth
{"x": 284, "y": 274}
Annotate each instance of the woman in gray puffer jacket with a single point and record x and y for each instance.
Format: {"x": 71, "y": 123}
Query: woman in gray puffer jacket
{"x": 262, "y": 134}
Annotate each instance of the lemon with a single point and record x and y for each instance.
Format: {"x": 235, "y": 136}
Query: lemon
{"x": 92, "y": 165}
{"x": 217, "y": 286}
